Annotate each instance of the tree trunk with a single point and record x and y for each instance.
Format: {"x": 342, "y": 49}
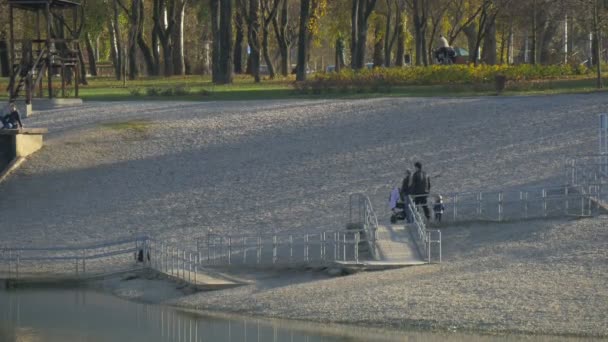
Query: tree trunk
{"x": 470, "y": 32}
{"x": 534, "y": 33}
{"x": 303, "y": 40}
{"x": 254, "y": 39}
{"x": 419, "y": 28}
{"x": 598, "y": 44}
{"x": 354, "y": 33}
{"x": 215, "y": 48}
{"x": 238, "y": 42}
{"x": 82, "y": 66}
{"x": 177, "y": 39}
{"x": 280, "y": 31}
{"x": 225, "y": 25}
{"x": 266, "y": 53}
{"x": 132, "y": 40}
{"x": 4, "y": 59}
{"x": 365, "y": 9}
{"x": 399, "y": 57}
{"x": 387, "y": 36}
{"x": 156, "y": 36}
{"x": 115, "y": 48}
{"x": 489, "y": 43}
{"x": 91, "y": 55}
{"x": 151, "y": 67}
{"x": 378, "y": 57}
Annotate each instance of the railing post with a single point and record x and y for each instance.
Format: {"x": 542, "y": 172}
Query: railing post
{"x": 454, "y": 205}
{"x": 344, "y": 248}
{"x": 208, "y": 249}
{"x": 582, "y": 205}
{"x": 526, "y": 204}
{"x": 84, "y": 258}
{"x": 259, "y": 249}
{"x": 229, "y": 250}
{"x": 184, "y": 264}
{"x": 567, "y": 203}
{"x": 173, "y": 261}
{"x": 440, "y": 252}
{"x": 500, "y": 196}
{"x": 357, "y": 248}
{"x": 197, "y": 259}
{"x": 290, "y": 248}
{"x": 190, "y": 267}
{"x": 306, "y": 247}
{"x": 428, "y": 244}
{"x": 10, "y": 260}
{"x": 479, "y": 204}
{"x": 274, "y": 249}
{"x": 544, "y": 196}
{"x": 335, "y": 246}
{"x": 17, "y": 266}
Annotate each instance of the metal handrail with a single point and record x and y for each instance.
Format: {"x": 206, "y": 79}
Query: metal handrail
{"x": 367, "y": 217}
{"x": 424, "y": 235}
{"x": 13, "y": 257}
{"x": 527, "y": 202}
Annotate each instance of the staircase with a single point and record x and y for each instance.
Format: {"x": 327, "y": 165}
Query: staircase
{"x": 23, "y": 77}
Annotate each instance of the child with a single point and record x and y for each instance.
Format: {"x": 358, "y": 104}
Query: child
{"x": 438, "y": 208}
{"x": 394, "y": 202}
{"x": 12, "y": 119}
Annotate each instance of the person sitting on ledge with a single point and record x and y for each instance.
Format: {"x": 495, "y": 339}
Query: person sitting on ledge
{"x": 12, "y": 120}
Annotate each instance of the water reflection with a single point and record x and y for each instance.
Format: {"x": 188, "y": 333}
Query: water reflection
{"x": 89, "y": 316}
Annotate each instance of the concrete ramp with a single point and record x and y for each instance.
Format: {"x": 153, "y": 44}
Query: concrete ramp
{"x": 395, "y": 246}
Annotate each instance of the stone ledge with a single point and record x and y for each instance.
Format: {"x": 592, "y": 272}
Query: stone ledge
{"x": 23, "y": 131}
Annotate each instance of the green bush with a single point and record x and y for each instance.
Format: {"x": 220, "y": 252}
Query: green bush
{"x": 135, "y": 91}
{"x": 153, "y": 91}
{"x": 383, "y": 79}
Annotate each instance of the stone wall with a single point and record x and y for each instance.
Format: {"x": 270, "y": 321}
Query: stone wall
{"x": 7, "y": 151}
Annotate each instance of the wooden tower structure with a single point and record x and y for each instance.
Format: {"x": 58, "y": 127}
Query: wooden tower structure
{"x": 47, "y": 48}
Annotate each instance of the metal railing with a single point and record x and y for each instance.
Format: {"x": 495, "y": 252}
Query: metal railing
{"x": 528, "y": 203}
{"x": 174, "y": 261}
{"x": 361, "y": 213}
{"x": 86, "y": 260}
{"x": 425, "y": 238}
{"x": 281, "y": 249}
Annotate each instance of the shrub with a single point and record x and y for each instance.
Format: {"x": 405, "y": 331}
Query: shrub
{"x": 153, "y": 91}
{"x": 135, "y": 91}
{"x": 383, "y": 79}
{"x": 181, "y": 90}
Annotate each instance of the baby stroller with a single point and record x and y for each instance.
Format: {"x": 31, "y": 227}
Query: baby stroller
{"x": 398, "y": 213}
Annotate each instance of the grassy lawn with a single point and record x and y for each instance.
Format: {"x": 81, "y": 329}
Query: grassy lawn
{"x": 200, "y": 88}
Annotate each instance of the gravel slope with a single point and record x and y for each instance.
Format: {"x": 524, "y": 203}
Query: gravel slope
{"x": 190, "y": 168}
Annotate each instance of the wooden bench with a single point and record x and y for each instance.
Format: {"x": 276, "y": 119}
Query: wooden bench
{"x": 20, "y": 143}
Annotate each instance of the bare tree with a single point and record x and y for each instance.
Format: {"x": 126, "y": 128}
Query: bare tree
{"x": 361, "y": 10}
{"x": 269, "y": 10}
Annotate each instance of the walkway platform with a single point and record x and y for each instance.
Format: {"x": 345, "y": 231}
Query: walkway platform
{"x": 395, "y": 246}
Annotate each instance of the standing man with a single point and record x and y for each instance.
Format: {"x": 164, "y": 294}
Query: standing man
{"x": 420, "y": 186}
{"x": 405, "y": 195}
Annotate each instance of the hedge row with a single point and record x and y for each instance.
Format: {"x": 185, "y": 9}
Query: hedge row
{"x": 434, "y": 75}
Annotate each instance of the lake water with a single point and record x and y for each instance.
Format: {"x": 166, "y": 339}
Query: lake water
{"x": 77, "y": 315}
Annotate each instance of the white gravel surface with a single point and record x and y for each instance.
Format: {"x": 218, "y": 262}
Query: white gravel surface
{"x": 290, "y": 165}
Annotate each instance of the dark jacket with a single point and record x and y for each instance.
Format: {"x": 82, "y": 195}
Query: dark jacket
{"x": 420, "y": 183}
{"x": 13, "y": 118}
{"x": 405, "y": 190}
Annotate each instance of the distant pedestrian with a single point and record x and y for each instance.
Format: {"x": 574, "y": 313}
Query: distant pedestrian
{"x": 405, "y": 195}
{"x": 12, "y": 119}
{"x": 438, "y": 208}
{"x": 419, "y": 185}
